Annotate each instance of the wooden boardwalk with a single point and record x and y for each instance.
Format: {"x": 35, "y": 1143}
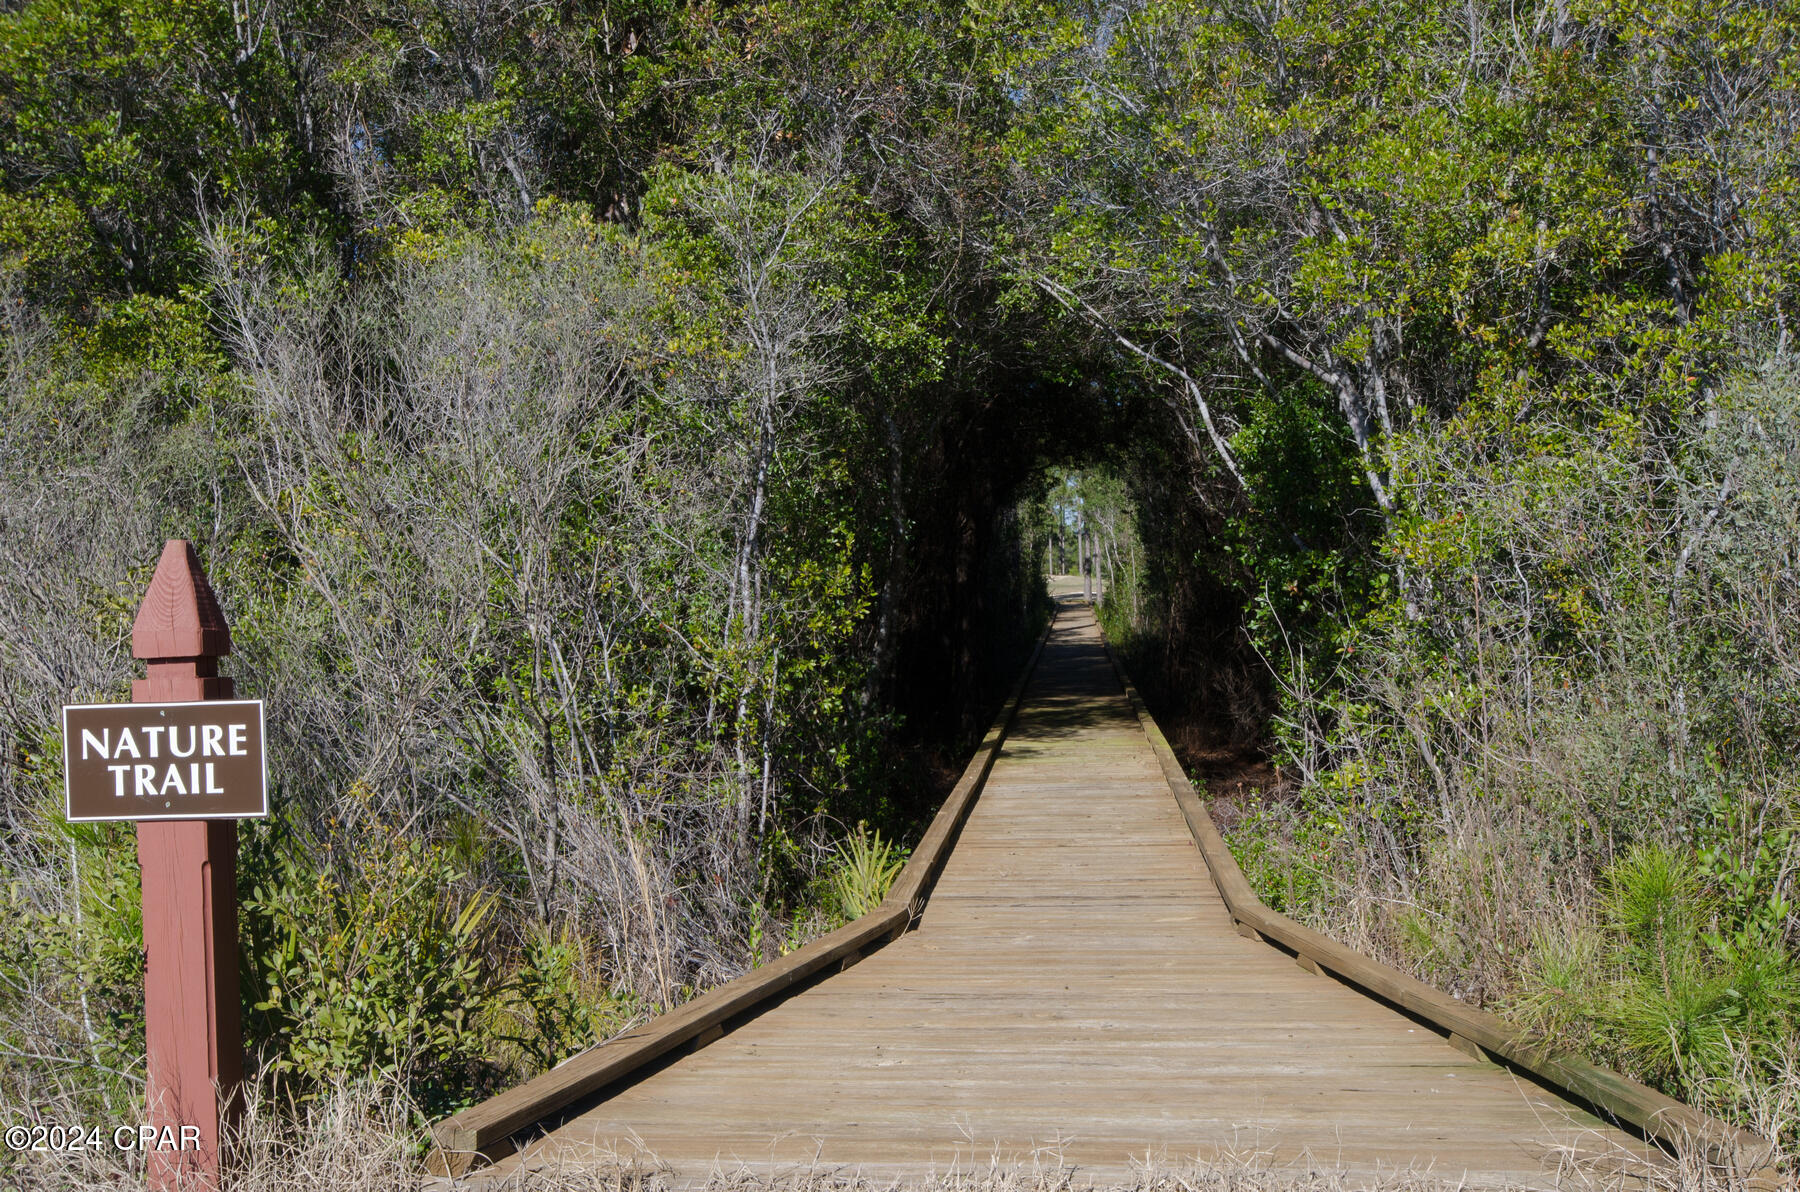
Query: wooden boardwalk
{"x": 1076, "y": 994}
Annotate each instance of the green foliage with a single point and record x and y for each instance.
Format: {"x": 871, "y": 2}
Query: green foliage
{"x": 1563, "y": 706}
{"x": 1305, "y": 535}
{"x": 1674, "y": 982}
{"x": 551, "y": 1007}
{"x": 374, "y": 964}
{"x": 859, "y": 875}
{"x": 1748, "y": 878}
{"x": 1668, "y": 1008}
{"x": 1286, "y": 854}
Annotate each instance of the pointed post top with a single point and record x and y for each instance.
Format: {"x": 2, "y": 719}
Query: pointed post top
{"x": 180, "y": 617}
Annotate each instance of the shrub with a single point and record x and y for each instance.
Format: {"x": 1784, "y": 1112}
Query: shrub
{"x": 373, "y": 964}
{"x": 554, "y": 1003}
{"x": 1687, "y": 980}
{"x": 860, "y": 874}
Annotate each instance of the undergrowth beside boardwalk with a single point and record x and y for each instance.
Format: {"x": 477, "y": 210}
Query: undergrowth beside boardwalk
{"x": 1583, "y": 821}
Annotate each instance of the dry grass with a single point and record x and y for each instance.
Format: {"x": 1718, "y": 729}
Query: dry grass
{"x": 357, "y": 1140}
{"x": 1250, "y": 1171}
{"x": 362, "y": 1138}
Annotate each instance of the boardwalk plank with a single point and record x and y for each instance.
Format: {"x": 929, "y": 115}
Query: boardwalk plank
{"x": 1076, "y": 992}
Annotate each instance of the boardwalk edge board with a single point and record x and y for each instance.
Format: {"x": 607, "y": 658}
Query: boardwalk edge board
{"x": 486, "y": 1132}
{"x": 1677, "y": 1125}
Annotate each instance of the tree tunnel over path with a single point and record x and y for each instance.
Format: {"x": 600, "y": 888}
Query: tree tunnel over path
{"x": 628, "y": 437}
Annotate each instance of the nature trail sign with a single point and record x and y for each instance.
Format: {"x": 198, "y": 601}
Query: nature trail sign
{"x": 186, "y": 761}
{"x": 165, "y": 761}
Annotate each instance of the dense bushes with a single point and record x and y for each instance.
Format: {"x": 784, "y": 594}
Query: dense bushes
{"x": 374, "y": 964}
{"x": 1564, "y": 783}
{"x": 545, "y": 555}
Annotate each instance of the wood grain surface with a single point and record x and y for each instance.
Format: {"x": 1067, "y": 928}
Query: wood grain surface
{"x": 1076, "y": 993}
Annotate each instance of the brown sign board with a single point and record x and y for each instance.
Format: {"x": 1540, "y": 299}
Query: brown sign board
{"x": 165, "y": 761}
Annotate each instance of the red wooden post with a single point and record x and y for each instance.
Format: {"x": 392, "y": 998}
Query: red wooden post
{"x": 191, "y": 1029}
